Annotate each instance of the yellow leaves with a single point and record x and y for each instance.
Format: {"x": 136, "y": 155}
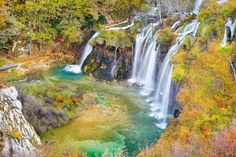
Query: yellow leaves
{"x": 208, "y": 94}
{"x": 209, "y": 73}
{"x": 213, "y": 10}
{"x": 183, "y": 133}
{"x": 16, "y": 134}
{"x": 227, "y": 50}
{"x": 2, "y": 18}
{"x": 179, "y": 73}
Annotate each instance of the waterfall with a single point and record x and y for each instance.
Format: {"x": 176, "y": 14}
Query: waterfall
{"x": 233, "y": 69}
{"x": 139, "y": 44}
{"x": 160, "y": 104}
{"x": 76, "y": 69}
{"x": 230, "y": 25}
{"x": 144, "y": 64}
{"x": 197, "y": 6}
{"x": 175, "y": 25}
{"x": 114, "y": 68}
{"x": 158, "y": 89}
{"x": 149, "y": 79}
{"x": 222, "y": 1}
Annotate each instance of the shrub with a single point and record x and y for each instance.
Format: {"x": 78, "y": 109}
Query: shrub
{"x": 166, "y": 37}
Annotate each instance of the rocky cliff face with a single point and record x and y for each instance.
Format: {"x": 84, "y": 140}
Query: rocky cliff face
{"x": 17, "y": 135}
{"x": 109, "y": 63}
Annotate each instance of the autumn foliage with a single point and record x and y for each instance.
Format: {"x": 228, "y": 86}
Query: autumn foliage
{"x": 206, "y": 126}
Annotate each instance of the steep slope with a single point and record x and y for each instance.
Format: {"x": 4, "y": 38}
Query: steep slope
{"x": 18, "y": 137}
{"x": 206, "y": 127}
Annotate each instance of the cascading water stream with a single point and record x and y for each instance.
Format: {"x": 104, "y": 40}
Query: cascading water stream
{"x": 149, "y": 80}
{"x": 144, "y": 64}
{"x": 197, "y": 6}
{"x": 230, "y": 25}
{"x": 175, "y": 25}
{"x": 114, "y": 69}
{"x": 76, "y": 69}
{"x": 233, "y": 69}
{"x": 160, "y": 104}
{"x": 141, "y": 38}
{"x": 144, "y": 67}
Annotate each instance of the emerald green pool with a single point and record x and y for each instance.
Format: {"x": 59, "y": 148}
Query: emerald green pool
{"x": 125, "y": 126}
{"x": 62, "y": 74}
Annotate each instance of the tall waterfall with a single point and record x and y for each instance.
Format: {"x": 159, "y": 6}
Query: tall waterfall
{"x": 230, "y": 25}
{"x": 158, "y": 89}
{"x": 160, "y": 104}
{"x": 76, "y": 69}
{"x": 144, "y": 64}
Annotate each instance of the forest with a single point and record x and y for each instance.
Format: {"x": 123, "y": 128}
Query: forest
{"x": 118, "y": 78}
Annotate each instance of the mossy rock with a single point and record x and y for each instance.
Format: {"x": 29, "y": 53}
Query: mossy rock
{"x": 91, "y": 65}
{"x": 189, "y": 42}
{"x": 121, "y": 72}
{"x": 117, "y": 38}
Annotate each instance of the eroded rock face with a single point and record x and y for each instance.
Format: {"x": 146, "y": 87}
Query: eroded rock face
{"x": 18, "y": 136}
{"x": 107, "y": 63}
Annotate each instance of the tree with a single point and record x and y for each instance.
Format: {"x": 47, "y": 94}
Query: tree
{"x": 2, "y": 13}
{"x": 70, "y": 20}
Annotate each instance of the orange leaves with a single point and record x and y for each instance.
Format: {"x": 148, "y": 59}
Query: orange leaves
{"x": 2, "y": 9}
{"x": 209, "y": 92}
{"x": 224, "y": 142}
{"x": 220, "y": 101}
{"x": 166, "y": 37}
{"x": 183, "y": 133}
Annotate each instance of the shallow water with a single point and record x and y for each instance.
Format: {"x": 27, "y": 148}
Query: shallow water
{"x": 62, "y": 74}
{"x": 124, "y": 125}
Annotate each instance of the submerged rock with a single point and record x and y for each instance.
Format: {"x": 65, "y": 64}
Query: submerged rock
{"x": 18, "y": 136}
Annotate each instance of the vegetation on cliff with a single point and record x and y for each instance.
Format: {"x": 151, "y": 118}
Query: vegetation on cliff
{"x": 206, "y": 126}
{"x": 207, "y": 123}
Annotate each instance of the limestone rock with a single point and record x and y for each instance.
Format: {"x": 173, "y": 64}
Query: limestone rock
{"x": 19, "y": 137}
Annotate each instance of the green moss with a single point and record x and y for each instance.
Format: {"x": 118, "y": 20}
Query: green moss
{"x": 116, "y": 38}
{"x": 2, "y": 62}
{"x": 91, "y": 65}
{"x": 179, "y": 73}
{"x": 189, "y": 42}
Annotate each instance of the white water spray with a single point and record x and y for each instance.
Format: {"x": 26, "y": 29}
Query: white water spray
{"x": 144, "y": 64}
{"x": 76, "y": 69}
{"x": 230, "y": 25}
{"x": 161, "y": 102}
{"x": 144, "y": 68}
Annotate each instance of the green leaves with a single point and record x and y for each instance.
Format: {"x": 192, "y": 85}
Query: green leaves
{"x": 117, "y": 38}
{"x": 42, "y": 21}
